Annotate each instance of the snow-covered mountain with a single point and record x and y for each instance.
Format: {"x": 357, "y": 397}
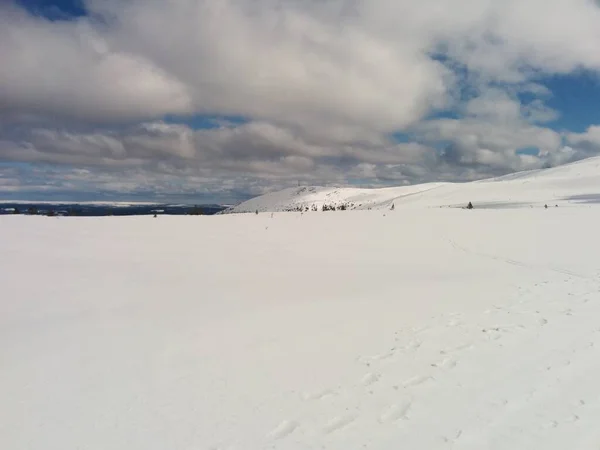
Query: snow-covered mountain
{"x": 578, "y": 181}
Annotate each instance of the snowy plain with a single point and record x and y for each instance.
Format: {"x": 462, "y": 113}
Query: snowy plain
{"x": 425, "y": 327}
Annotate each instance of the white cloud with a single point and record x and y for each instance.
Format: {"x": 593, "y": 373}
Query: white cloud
{"x": 255, "y": 147}
{"x": 70, "y": 70}
{"x": 323, "y": 84}
{"x": 584, "y": 144}
{"x": 363, "y": 63}
{"x": 494, "y": 104}
{"x": 590, "y": 138}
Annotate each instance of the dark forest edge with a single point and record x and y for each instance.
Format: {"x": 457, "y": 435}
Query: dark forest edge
{"x": 101, "y": 210}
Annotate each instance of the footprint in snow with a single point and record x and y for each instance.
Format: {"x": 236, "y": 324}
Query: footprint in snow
{"x": 369, "y": 379}
{"x": 339, "y": 422}
{"x": 395, "y": 412}
{"x": 446, "y": 363}
{"x": 492, "y": 334}
{"x": 318, "y": 395}
{"x": 413, "y": 345}
{"x": 379, "y": 357}
{"x": 457, "y": 349}
{"x": 283, "y": 429}
{"x": 384, "y": 356}
{"x": 551, "y": 424}
{"x": 453, "y": 439}
{"x": 417, "y": 380}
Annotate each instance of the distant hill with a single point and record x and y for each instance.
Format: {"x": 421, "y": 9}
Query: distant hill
{"x": 571, "y": 183}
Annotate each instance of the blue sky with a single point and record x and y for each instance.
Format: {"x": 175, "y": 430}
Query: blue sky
{"x": 55, "y": 9}
{"x": 576, "y": 96}
{"x": 203, "y": 101}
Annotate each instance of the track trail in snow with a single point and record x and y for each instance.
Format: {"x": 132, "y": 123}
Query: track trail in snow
{"x": 459, "y": 348}
{"x": 515, "y": 262}
{"x": 421, "y": 329}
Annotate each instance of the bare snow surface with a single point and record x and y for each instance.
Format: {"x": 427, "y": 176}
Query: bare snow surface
{"x": 418, "y": 328}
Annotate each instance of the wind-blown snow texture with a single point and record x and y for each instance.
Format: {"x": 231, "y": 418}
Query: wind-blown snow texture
{"x": 418, "y": 328}
{"x": 561, "y": 184}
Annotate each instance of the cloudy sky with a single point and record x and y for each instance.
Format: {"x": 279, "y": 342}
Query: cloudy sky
{"x": 219, "y": 100}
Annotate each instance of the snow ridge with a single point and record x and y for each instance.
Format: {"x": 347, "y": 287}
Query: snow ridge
{"x": 574, "y": 182}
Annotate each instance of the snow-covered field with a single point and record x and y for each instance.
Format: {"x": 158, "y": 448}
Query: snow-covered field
{"x": 418, "y": 328}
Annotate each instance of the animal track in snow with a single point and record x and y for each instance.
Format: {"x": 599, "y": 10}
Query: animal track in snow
{"x": 369, "y": 379}
{"x": 446, "y": 363}
{"x": 416, "y": 380}
{"x": 395, "y": 412}
{"x": 412, "y": 345}
{"x": 495, "y": 333}
{"x": 492, "y": 334}
{"x": 283, "y": 429}
{"x": 378, "y": 357}
{"x": 318, "y": 395}
{"x": 457, "y": 349}
{"x": 383, "y": 356}
{"x": 339, "y": 422}
{"x": 551, "y": 424}
{"x": 453, "y": 439}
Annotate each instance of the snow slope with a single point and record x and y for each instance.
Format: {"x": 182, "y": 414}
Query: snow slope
{"x": 557, "y": 185}
{"x": 438, "y": 329}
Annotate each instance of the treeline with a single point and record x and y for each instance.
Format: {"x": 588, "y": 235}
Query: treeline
{"x": 33, "y": 211}
{"x": 74, "y": 212}
{"x": 324, "y": 207}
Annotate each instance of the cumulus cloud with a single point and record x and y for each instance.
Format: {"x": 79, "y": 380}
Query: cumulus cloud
{"x": 252, "y": 147}
{"x": 324, "y": 88}
{"x": 585, "y": 144}
{"x": 70, "y": 70}
{"x": 589, "y": 139}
